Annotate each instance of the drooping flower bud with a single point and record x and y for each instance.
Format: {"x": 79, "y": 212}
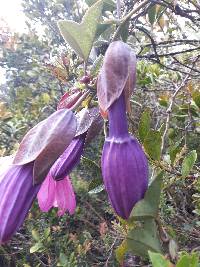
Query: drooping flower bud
{"x": 69, "y": 99}
{"x": 17, "y": 193}
{"x": 69, "y": 159}
{"x": 124, "y": 164}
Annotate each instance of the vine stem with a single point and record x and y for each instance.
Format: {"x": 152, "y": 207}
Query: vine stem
{"x": 127, "y": 17}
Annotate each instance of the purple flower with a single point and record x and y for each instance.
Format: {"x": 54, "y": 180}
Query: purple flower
{"x": 57, "y": 190}
{"x": 17, "y": 194}
{"x": 124, "y": 164}
{"x": 69, "y": 159}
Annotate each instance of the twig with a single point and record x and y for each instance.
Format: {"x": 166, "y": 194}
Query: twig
{"x": 127, "y": 17}
{"x": 110, "y": 254}
{"x": 169, "y": 111}
{"x": 170, "y": 54}
{"x": 119, "y": 9}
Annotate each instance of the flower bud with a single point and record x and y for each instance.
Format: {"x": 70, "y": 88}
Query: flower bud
{"x": 124, "y": 164}
{"x": 69, "y": 159}
{"x": 85, "y": 79}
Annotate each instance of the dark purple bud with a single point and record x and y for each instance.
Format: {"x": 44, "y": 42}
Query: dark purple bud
{"x": 124, "y": 164}
{"x": 85, "y": 79}
{"x": 69, "y": 159}
{"x": 17, "y": 194}
{"x": 68, "y": 100}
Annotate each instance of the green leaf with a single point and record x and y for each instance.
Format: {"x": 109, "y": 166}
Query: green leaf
{"x": 148, "y": 207}
{"x": 36, "y": 248}
{"x": 96, "y": 66}
{"x": 144, "y": 238}
{"x": 97, "y": 189}
{"x": 101, "y": 28}
{"x": 81, "y": 36}
{"x": 188, "y": 260}
{"x": 152, "y": 144}
{"x": 144, "y": 124}
{"x": 63, "y": 259}
{"x": 89, "y": 163}
{"x": 196, "y": 98}
{"x": 173, "y": 249}
{"x": 158, "y": 260}
{"x": 47, "y": 232}
{"x": 188, "y": 162}
{"x": 174, "y": 150}
{"x": 35, "y": 235}
{"x": 152, "y": 14}
{"x": 95, "y": 183}
{"x": 108, "y": 5}
{"x": 124, "y": 31}
{"x": 121, "y": 250}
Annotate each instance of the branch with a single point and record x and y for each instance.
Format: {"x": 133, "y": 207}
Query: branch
{"x": 127, "y": 17}
{"x": 170, "y": 54}
{"x": 169, "y": 110}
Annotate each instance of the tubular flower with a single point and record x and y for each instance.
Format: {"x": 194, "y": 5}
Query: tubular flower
{"x": 57, "y": 194}
{"x": 17, "y": 194}
{"x": 69, "y": 159}
{"x": 124, "y": 164}
{"x": 57, "y": 190}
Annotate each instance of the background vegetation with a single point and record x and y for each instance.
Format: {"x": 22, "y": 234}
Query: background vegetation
{"x": 41, "y": 67}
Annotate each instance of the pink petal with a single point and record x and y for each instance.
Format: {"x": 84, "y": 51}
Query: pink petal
{"x": 46, "y": 195}
{"x": 65, "y": 197}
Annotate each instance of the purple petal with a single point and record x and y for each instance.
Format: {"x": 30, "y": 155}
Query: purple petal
{"x": 69, "y": 159}
{"x": 124, "y": 164}
{"x": 17, "y": 194}
{"x": 125, "y": 173}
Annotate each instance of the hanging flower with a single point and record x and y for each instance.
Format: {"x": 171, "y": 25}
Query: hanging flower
{"x": 69, "y": 159}
{"x": 124, "y": 164}
{"x": 58, "y": 194}
{"x": 17, "y": 194}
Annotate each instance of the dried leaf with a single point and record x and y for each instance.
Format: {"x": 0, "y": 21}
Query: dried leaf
{"x": 94, "y": 129}
{"x": 85, "y": 119}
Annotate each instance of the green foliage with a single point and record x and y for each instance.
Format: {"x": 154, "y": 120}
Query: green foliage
{"x": 143, "y": 238}
{"x": 187, "y": 260}
{"x": 81, "y": 36}
{"x": 188, "y": 162}
{"x": 144, "y": 125}
{"x": 158, "y": 260}
{"x": 152, "y": 144}
{"x": 148, "y": 207}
